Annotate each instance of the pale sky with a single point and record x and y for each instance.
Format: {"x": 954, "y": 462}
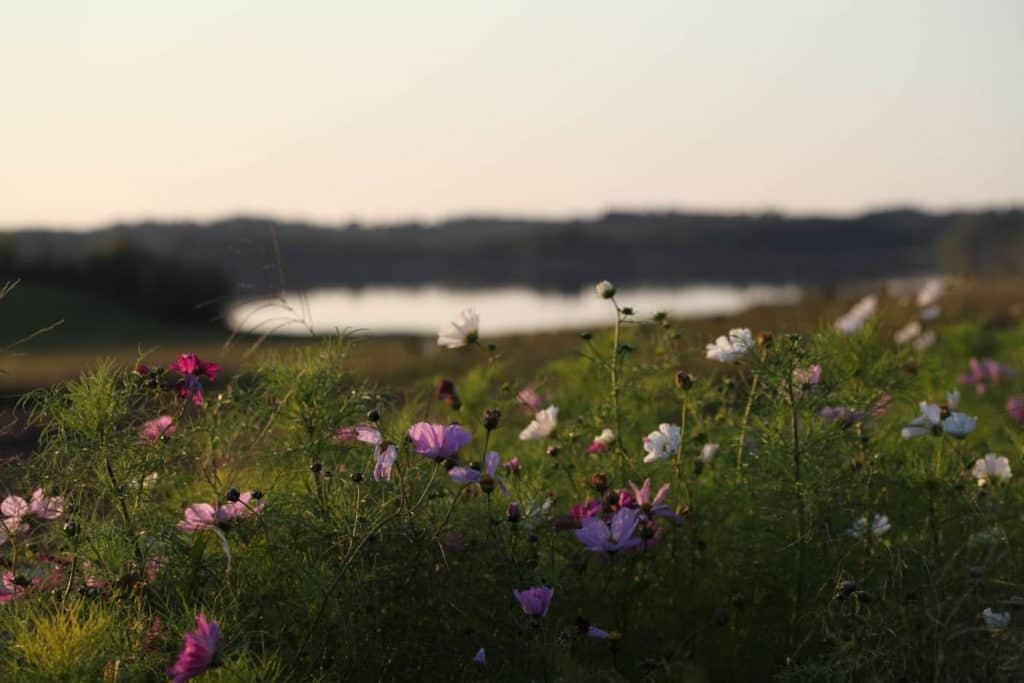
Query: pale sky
{"x": 332, "y": 110}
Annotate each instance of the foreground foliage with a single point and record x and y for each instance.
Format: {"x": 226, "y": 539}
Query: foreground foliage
{"x": 325, "y": 533}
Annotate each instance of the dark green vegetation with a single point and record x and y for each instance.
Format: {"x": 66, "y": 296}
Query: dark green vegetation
{"x": 261, "y": 255}
{"x": 345, "y": 578}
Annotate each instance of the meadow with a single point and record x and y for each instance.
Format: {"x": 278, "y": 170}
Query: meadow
{"x": 791, "y": 495}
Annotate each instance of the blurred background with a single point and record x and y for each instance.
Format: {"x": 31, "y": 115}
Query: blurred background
{"x": 221, "y": 177}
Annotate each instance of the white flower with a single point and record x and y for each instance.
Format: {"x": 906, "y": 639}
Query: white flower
{"x": 929, "y": 293}
{"x": 959, "y": 425}
{"x": 995, "y": 621}
{"x": 925, "y": 341}
{"x": 731, "y": 347}
{"x": 606, "y": 437}
{"x": 879, "y": 525}
{"x": 908, "y": 332}
{"x": 662, "y": 443}
{"x": 855, "y": 319}
{"x": 464, "y": 330}
{"x": 707, "y": 453}
{"x": 544, "y": 422}
{"x": 991, "y": 467}
{"x": 605, "y": 289}
{"x": 930, "y": 313}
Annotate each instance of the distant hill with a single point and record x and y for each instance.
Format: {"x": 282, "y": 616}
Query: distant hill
{"x": 634, "y": 248}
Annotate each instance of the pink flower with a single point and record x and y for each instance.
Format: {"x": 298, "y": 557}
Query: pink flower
{"x": 653, "y": 507}
{"x": 45, "y": 507}
{"x": 199, "y": 516}
{"x": 199, "y": 651}
{"x": 530, "y": 400}
{"x": 1015, "y": 406}
{"x": 386, "y": 458}
{"x": 364, "y": 434}
{"x": 10, "y": 590}
{"x": 805, "y": 379}
{"x": 438, "y": 442}
{"x": 512, "y": 466}
{"x": 535, "y": 601}
{"x": 156, "y": 428}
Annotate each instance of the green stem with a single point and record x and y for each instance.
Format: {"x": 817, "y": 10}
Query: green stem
{"x": 743, "y": 424}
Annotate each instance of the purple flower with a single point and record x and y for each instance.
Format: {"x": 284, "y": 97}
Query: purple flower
{"x": 480, "y": 657}
{"x": 438, "y": 442}
{"x": 199, "y": 651}
{"x": 156, "y": 428}
{"x": 983, "y": 371}
{"x": 512, "y": 466}
{"x": 619, "y": 536}
{"x": 535, "y": 601}
{"x": 467, "y": 475}
{"x": 656, "y": 507}
{"x": 530, "y": 400}
{"x": 364, "y": 434}
{"x": 842, "y": 415}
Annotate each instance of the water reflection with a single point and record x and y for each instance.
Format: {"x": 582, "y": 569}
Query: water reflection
{"x": 512, "y": 310}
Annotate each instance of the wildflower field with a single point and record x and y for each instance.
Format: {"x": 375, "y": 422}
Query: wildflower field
{"x": 653, "y": 505}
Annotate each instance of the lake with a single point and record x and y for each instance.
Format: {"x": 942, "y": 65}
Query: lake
{"x": 503, "y": 311}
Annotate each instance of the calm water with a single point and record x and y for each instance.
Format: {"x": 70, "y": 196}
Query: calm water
{"x": 421, "y": 310}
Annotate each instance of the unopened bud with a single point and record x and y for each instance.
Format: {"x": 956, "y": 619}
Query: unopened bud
{"x": 599, "y": 481}
{"x": 684, "y": 380}
{"x": 605, "y": 289}
{"x": 232, "y": 495}
{"x": 514, "y": 514}
{"x": 491, "y": 419}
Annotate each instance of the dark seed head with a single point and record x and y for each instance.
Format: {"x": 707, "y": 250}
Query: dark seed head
{"x": 316, "y": 467}
{"x": 373, "y": 415}
{"x": 492, "y": 418}
{"x": 232, "y": 495}
{"x": 357, "y": 477}
{"x": 684, "y": 380}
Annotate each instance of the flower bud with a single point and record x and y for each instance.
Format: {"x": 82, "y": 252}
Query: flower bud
{"x": 553, "y": 451}
{"x": 71, "y": 529}
{"x": 232, "y": 495}
{"x": 765, "y": 338}
{"x": 315, "y": 468}
{"x": 487, "y": 484}
{"x": 446, "y": 392}
{"x": 599, "y": 481}
{"x": 684, "y": 380}
{"x": 257, "y": 494}
{"x": 627, "y": 310}
{"x": 514, "y": 513}
{"x": 660, "y": 316}
{"x": 605, "y": 289}
{"x": 586, "y": 336}
{"x": 491, "y": 419}
{"x": 373, "y": 415}
{"x": 357, "y": 477}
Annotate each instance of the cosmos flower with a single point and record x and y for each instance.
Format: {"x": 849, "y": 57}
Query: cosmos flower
{"x": 199, "y": 516}
{"x": 156, "y": 428}
{"x": 529, "y": 399}
{"x": 930, "y": 420}
{"x": 385, "y": 457}
{"x": 480, "y": 657}
{"x": 191, "y": 368}
{"x": 364, "y": 434}
{"x": 842, "y": 415}
{"x": 929, "y": 293}
{"x": 984, "y": 371}
{"x": 535, "y": 601}
{"x": 854, "y": 320}
{"x": 959, "y": 425}
{"x": 464, "y": 330}
{"x": 995, "y": 621}
{"x": 732, "y": 347}
{"x": 805, "y": 379}
{"x": 908, "y": 333}
{"x": 653, "y": 507}
{"x": 543, "y": 423}
{"x": 199, "y": 651}
{"x": 598, "y": 536}
{"x": 438, "y": 442}
{"x": 468, "y": 475}
{"x": 879, "y": 526}
{"x": 661, "y": 444}
{"x": 1015, "y": 407}
{"x": 601, "y": 442}
{"x": 707, "y": 453}
{"x": 991, "y": 468}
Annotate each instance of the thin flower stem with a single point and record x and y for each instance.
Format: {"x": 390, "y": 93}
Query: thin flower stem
{"x": 798, "y": 489}
{"x": 615, "y": 371}
{"x": 743, "y": 424}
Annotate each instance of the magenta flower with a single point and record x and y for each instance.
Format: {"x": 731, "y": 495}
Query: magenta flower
{"x": 438, "y": 442}
{"x": 199, "y": 516}
{"x": 535, "y": 601}
{"x": 12, "y": 590}
{"x": 654, "y": 507}
{"x": 1015, "y": 407}
{"x": 467, "y": 475}
{"x": 192, "y": 368}
{"x": 156, "y": 428}
{"x": 512, "y": 466}
{"x": 199, "y": 651}
{"x": 984, "y": 371}
{"x": 620, "y": 535}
